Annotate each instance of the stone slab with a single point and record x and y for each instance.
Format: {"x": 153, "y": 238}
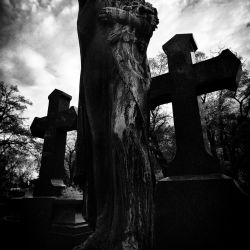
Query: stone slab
{"x": 44, "y": 223}
{"x": 200, "y": 212}
{"x": 68, "y": 227}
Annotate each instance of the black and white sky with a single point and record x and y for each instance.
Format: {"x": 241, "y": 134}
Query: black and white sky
{"x": 39, "y": 48}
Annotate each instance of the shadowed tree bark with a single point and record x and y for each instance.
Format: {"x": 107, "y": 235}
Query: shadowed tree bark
{"x": 112, "y": 145}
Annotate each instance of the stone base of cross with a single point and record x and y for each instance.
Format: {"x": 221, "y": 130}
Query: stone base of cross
{"x": 49, "y": 187}
{"x": 200, "y": 212}
{"x": 50, "y": 222}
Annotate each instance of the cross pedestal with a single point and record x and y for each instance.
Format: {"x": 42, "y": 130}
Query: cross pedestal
{"x": 196, "y": 206}
{"x": 44, "y": 223}
{"x": 53, "y": 129}
{"x": 201, "y": 212}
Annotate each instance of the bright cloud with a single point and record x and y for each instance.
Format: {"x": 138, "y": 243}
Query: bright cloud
{"x": 214, "y": 24}
{"x": 40, "y": 50}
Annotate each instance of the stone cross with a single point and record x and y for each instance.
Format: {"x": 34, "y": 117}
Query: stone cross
{"x": 181, "y": 86}
{"x": 53, "y": 128}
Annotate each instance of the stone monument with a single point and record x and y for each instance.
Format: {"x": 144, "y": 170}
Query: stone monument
{"x": 112, "y": 152}
{"x": 51, "y": 219}
{"x": 196, "y": 206}
{"x": 53, "y": 129}
{"x": 181, "y": 86}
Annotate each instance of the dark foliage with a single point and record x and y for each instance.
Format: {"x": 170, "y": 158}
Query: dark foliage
{"x": 19, "y": 152}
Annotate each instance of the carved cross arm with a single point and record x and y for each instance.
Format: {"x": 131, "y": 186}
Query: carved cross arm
{"x": 161, "y": 90}
{"x": 63, "y": 121}
{"x": 221, "y": 72}
{"x": 67, "y": 120}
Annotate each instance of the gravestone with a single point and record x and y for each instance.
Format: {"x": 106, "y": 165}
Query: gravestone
{"x": 53, "y": 129}
{"x": 181, "y": 86}
{"x": 52, "y": 219}
{"x": 196, "y": 206}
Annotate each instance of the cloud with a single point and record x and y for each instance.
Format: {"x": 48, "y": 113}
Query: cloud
{"x": 214, "y": 24}
{"x": 39, "y": 48}
{"x": 24, "y": 66}
{"x": 188, "y": 4}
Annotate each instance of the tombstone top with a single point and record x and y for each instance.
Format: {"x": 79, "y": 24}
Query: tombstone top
{"x": 181, "y": 42}
{"x": 56, "y": 93}
{"x": 58, "y": 101}
{"x": 180, "y": 51}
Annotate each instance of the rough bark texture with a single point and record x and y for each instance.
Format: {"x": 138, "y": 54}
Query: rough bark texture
{"x": 112, "y": 151}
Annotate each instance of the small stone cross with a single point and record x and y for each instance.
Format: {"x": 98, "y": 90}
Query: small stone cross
{"x": 181, "y": 86}
{"x": 53, "y": 128}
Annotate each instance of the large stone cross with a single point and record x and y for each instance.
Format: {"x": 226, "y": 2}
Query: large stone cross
{"x": 181, "y": 86}
{"x": 53, "y": 128}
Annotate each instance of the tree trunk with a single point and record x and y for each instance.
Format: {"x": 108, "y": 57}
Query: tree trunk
{"x": 112, "y": 144}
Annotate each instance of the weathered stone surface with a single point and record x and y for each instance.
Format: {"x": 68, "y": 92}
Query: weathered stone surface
{"x": 112, "y": 151}
{"x": 200, "y": 212}
{"x": 195, "y": 208}
{"x": 68, "y": 226}
{"x": 181, "y": 86}
{"x": 44, "y": 223}
{"x": 53, "y": 128}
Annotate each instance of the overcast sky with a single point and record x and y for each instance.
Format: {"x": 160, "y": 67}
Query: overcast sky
{"x": 39, "y": 48}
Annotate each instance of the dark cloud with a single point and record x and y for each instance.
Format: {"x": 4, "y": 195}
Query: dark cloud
{"x": 20, "y": 73}
{"x": 14, "y": 15}
{"x": 248, "y": 25}
{"x": 35, "y": 27}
